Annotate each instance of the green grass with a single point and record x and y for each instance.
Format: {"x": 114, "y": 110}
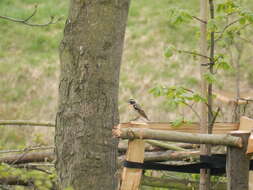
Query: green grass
{"x": 29, "y": 57}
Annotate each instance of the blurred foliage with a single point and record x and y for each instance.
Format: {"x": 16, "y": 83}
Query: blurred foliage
{"x": 38, "y": 179}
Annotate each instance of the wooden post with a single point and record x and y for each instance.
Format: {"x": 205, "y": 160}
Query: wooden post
{"x": 131, "y": 177}
{"x": 246, "y": 124}
{"x": 238, "y": 163}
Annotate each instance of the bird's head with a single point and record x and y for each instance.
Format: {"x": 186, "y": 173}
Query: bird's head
{"x": 131, "y": 101}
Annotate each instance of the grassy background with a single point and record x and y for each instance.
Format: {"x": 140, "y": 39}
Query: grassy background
{"x": 29, "y": 64}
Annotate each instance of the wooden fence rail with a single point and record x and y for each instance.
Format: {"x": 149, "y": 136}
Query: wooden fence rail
{"x": 142, "y": 133}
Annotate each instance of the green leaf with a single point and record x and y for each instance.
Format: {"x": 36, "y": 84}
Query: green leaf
{"x": 199, "y": 98}
{"x": 221, "y": 7}
{"x": 157, "y": 91}
{"x": 210, "y": 78}
{"x": 246, "y": 14}
{"x": 177, "y": 122}
{"x": 178, "y": 16}
{"x": 224, "y": 65}
{"x": 242, "y": 20}
{"x": 168, "y": 52}
{"x": 211, "y": 25}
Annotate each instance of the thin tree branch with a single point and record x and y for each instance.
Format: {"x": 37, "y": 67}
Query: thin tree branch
{"x": 27, "y": 149}
{"x": 194, "y": 111}
{"x": 203, "y": 21}
{"x": 245, "y": 26}
{"x": 26, "y": 20}
{"x": 194, "y": 53}
{"x": 215, "y": 116}
{"x": 34, "y": 13}
{"x": 27, "y": 123}
{"x": 225, "y": 28}
{"x": 245, "y": 40}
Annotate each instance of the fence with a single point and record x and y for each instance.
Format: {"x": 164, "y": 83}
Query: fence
{"x": 234, "y": 136}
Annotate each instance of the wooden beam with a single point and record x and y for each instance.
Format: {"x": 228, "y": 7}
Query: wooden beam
{"x": 219, "y": 128}
{"x": 171, "y": 156}
{"x": 246, "y": 124}
{"x": 28, "y": 158}
{"x": 238, "y": 163}
{"x": 26, "y": 123}
{"x": 131, "y": 177}
{"x": 250, "y": 144}
{"x": 141, "y": 133}
{"x": 168, "y": 155}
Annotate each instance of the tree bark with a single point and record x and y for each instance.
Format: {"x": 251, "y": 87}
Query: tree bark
{"x": 205, "y": 149}
{"x": 90, "y": 56}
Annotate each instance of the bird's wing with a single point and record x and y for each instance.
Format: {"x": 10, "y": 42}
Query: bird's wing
{"x": 138, "y": 108}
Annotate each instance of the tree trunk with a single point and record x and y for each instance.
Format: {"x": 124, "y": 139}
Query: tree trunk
{"x": 90, "y": 56}
{"x": 205, "y": 149}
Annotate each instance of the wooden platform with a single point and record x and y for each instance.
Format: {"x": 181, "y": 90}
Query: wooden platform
{"x": 219, "y": 128}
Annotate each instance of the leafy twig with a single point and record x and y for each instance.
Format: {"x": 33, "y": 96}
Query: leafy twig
{"x": 225, "y": 28}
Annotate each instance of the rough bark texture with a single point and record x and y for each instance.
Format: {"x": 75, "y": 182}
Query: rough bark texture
{"x": 90, "y": 55}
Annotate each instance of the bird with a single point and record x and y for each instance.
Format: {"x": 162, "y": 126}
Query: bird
{"x": 137, "y": 108}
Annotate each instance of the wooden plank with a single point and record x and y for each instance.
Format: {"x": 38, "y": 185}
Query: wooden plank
{"x": 238, "y": 162}
{"x": 131, "y": 177}
{"x": 246, "y": 124}
{"x": 250, "y": 144}
{"x": 219, "y": 128}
